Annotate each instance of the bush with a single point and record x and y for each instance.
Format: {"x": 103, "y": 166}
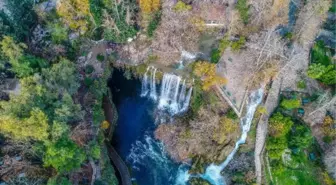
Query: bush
{"x": 64, "y": 155}
{"x": 243, "y": 9}
{"x": 236, "y": 45}
{"x": 215, "y": 56}
{"x": 154, "y": 23}
{"x": 100, "y": 57}
{"x": 88, "y": 81}
{"x": 180, "y": 6}
{"x": 301, "y": 84}
{"x": 279, "y": 125}
{"x": 95, "y": 151}
{"x": 290, "y": 104}
{"x": 232, "y": 114}
{"x": 89, "y": 69}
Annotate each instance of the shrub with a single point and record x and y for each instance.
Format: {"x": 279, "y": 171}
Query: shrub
{"x": 321, "y": 54}
{"x": 100, "y": 57}
{"x": 215, "y": 56}
{"x": 232, "y": 114}
{"x": 95, "y": 151}
{"x": 197, "y": 97}
{"x": 301, "y": 84}
{"x": 59, "y": 33}
{"x": 243, "y": 9}
{"x": 224, "y": 43}
{"x": 88, "y": 81}
{"x": 279, "y": 125}
{"x": 180, "y": 6}
{"x": 290, "y": 104}
{"x": 154, "y": 23}
{"x": 236, "y": 45}
{"x": 89, "y": 69}
{"x": 64, "y": 155}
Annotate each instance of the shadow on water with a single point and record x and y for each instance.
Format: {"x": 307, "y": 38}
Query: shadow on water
{"x": 133, "y": 138}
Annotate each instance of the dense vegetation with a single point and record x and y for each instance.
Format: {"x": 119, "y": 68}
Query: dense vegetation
{"x": 49, "y": 113}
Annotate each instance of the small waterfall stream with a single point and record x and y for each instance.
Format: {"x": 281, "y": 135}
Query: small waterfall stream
{"x": 173, "y": 95}
{"x": 213, "y": 172}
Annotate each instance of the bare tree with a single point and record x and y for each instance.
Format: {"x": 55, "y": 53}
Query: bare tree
{"x": 330, "y": 161}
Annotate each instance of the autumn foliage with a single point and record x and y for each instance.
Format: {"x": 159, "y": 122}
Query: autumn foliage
{"x": 207, "y": 73}
{"x": 74, "y": 13}
{"x": 149, "y": 6}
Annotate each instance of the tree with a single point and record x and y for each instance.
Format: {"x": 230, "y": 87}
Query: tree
{"x": 207, "y": 73}
{"x": 19, "y": 18}
{"x": 59, "y": 130}
{"x": 227, "y": 126}
{"x": 59, "y": 33}
{"x": 74, "y": 13}
{"x": 325, "y": 74}
{"x": 301, "y": 137}
{"x": 62, "y": 77}
{"x": 11, "y": 49}
{"x": 64, "y": 155}
{"x": 23, "y": 65}
{"x": 58, "y": 181}
{"x": 149, "y": 6}
{"x": 279, "y": 125}
{"x": 34, "y": 127}
{"x": 67, "y": 111}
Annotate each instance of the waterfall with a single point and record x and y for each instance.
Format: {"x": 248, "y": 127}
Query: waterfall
{"x": 173, "y": 95}
{"x": 153, "y": 85}
{"x": 144, "y": 84}
{"x": 213, "y": 172}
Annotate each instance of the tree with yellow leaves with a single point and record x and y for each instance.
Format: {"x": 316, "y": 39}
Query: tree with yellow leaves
{"x": 149, "y": 6}
{"x": 74, "y": 13}
{"x": 34, "y": 127}
{"x": 206, "y": 71}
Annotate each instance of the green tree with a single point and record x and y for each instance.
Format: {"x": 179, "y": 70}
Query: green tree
{"x": 236, "y": 45}
{"x": 301, "y": 137}
{"x": 59, "y": 130}
{"x": 11, "y": 49}
{"x": 59, "y": 32}
{"x": 58, "y": 181}
{"x": 64, "y": 155}
{"x": 325, "y": 74}
{"x": 243, "y": 9}
{"x": 290, "y": 104}
{"x": 62, "y": 77}
{"x": 67, "y": 111}
{"x": 316, "y": 70}
{"x": 19, "y": 18}
{"x": 279, "y": 125}
{"x": 276, "y": 147}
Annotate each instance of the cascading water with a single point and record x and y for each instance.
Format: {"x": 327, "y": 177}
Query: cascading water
{"x": 144, "y": 86}
{"x": 173, "y": 97}
{"x": 213, "y": 172}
